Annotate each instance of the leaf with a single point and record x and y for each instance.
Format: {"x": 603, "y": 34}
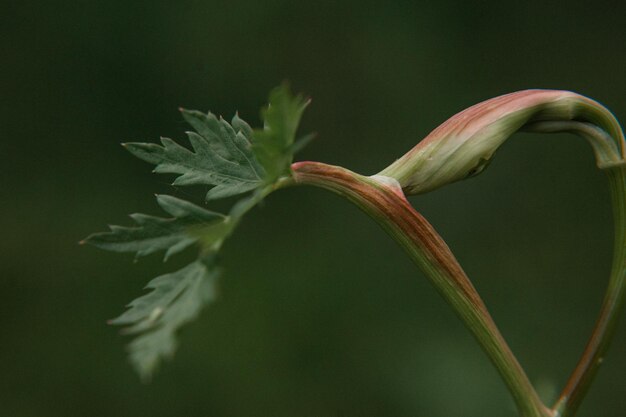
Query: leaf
{"x": 273, "y": 145}
{"x": 221, "y": 155}
{"x": 233, "y": 159}
{"x": 176, "y": 298}
{"x": 189, "y": 225}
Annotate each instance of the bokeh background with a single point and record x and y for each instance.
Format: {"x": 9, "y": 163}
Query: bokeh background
{"x": 320, "y": 314}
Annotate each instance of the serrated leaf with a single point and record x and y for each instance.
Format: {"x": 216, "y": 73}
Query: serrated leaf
{"x": 189, "y": 225}
{"x": 233, "y": 159}
{"x": 176, "y": 298}
{"x": 221, "y": 155}
{"x": 273, "y": 145}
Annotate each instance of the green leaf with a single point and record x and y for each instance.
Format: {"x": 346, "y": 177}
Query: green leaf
{"x": 189, "y": 225}
{"x": 274, "y": 144}
{"x": 176, "y": 298}
{"x": 221, "y": 155}
{"x": 233, "y": 159}
{"x": 231, "y": 156}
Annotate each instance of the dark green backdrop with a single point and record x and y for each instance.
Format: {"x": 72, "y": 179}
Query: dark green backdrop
{"x": 320, "y": 314}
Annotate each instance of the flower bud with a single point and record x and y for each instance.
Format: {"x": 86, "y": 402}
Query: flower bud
{"x": 463, "y": 145}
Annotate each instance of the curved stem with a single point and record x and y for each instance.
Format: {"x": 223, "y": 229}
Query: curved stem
{"x": 386, "y": 204}
{"x": 593, "y": 355}
{"x": 459, "y": 148}
{"x": 580, "y": 380}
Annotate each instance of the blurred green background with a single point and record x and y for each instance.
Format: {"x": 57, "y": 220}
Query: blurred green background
{"x": 320, "y": 314}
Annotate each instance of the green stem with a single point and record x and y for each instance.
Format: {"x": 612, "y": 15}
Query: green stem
{"x": 593, "y": 355}
{"x": 580, "y": 380}
{"x": 386, "y": 204}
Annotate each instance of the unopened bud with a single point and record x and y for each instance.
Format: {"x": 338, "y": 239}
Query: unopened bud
{"x": 463, "y": 145}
